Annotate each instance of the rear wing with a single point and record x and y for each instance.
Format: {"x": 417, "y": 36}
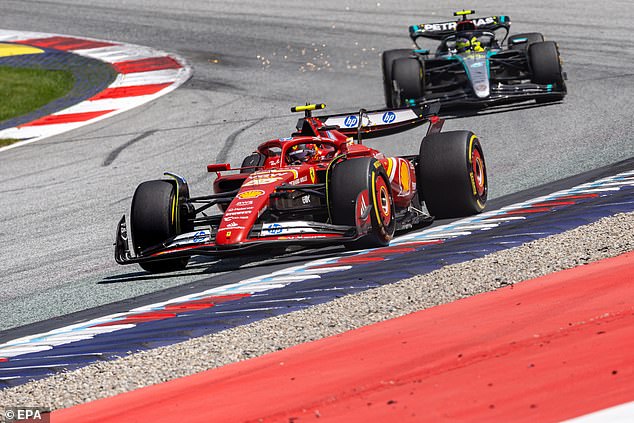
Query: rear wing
{"x": 379, "y": 123}
{"x": 437, "y": 31}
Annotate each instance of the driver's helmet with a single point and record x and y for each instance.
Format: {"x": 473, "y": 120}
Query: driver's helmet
{"x": 465, "y": 37}
{"x": 463, "y": 44}
{"x": 468, "y": 41}
{"x": 302, "y": 153}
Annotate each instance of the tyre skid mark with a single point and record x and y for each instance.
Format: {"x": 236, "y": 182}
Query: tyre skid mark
{"x": 115, "y": 153}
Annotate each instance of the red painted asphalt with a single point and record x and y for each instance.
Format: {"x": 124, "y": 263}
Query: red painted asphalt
{"x": 132, "y": 91}
{"x": 66, "y": 118}
{"x": 66, "y": 43}
{"x": 146, "y": 65}
{"x": 543, "y": 350}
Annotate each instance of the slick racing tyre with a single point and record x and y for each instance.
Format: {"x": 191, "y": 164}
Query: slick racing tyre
{"x": 543, "y": 59}
{"x": 387, "y": 60}
{"x": 522, "y": 41}
{"x": 153, "y": 220}
{"x": 358, "y": 187}
{"x": 408, "y": 74}
{"x": 545, "y": 64}
{"x": 452, "y": 175}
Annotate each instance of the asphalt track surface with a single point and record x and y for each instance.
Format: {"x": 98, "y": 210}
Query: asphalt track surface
{"x": 61, "y": 198}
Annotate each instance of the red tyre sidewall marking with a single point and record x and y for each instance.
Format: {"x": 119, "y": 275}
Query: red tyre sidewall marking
{"x": 383, "y": 203}
{"x": 478, "y": 171}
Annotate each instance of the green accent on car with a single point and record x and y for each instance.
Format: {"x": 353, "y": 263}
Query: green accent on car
{"x": 489, "y": 55}
{"x": 464, "y": 65}
{"x": 466, "y": 68}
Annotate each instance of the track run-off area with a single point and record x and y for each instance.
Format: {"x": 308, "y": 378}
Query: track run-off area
{"x": 251, "y": 61}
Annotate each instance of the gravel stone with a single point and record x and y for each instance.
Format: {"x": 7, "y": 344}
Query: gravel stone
{"x": 608, "y": 237}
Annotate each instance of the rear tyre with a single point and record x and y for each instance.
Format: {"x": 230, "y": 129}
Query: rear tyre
{"x": 452, "y": 174}
{"x": 361, "y": 181}
{"x": 387, "y": 60}
{"x": 530, "y": 37}
{"x": 408, "y": 74}
{"x": 545, "y": 64}
{"x": 153, "y": 220}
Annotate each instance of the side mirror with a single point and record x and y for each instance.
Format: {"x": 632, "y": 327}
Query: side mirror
{"x": 220, "y": 167}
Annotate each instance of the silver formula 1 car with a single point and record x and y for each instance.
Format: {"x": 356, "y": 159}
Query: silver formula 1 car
{"x": 472, "y": 65}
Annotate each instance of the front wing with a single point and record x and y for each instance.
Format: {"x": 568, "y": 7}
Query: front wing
{"x": 201, "y": 242}
{"x": 499, "y": 94}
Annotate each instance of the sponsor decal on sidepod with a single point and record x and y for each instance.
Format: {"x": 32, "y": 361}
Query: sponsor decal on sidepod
{"x": 254, "y": 193}
{"x": 273, "y": 228}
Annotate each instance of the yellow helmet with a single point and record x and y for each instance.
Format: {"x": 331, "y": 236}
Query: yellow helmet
{"x": 463, "y": 44}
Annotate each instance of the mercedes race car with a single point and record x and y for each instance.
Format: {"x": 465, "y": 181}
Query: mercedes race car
{"x": 471, "y": 65}
{"x": 319, "y": 186}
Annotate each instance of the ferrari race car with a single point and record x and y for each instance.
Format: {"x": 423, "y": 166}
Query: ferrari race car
{"x": 319, "y": 186}
{"x": 471, "y": 66}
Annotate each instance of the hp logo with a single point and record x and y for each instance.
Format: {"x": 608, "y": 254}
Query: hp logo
{"x": 200, "y": 236}
{"x": 389, "y": 117}
{"x": 350, "y": 121}
{"x": 274, "y": 229}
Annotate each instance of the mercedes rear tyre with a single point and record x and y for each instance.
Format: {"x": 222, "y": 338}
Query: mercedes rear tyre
{"x": 360, "y": 196}
{"x": 452, "y": 174}
{"x": 408, "y": 74}
{"x": 387, "y": 60}
{"x": 153, "y": 219}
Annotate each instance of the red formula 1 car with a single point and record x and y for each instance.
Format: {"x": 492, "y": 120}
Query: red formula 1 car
{"x": 319, "y": 186}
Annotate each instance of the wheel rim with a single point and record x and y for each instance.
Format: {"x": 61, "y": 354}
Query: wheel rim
{"x": 478, "y": 171}
{"x": 382, "y": 201}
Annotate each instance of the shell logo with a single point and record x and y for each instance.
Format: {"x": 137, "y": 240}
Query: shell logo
{"x": 254, "y": 193}
{"x": 405, "y": 177}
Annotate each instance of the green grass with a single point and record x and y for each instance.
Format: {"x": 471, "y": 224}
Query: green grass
{"x": 7, "y": 141}
{"x": 26, "y": 89}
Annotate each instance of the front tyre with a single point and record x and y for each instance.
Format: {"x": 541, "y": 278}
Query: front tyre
{"x": 408, "y": 74}
{"x": 359, "y": 191}
{"x": 387, "y": 61}
{"x": 452, "y": 174}
{"x": 522, "y": 41}
{"x": 545, "y": 65}
{"x": 153, "y": 219}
